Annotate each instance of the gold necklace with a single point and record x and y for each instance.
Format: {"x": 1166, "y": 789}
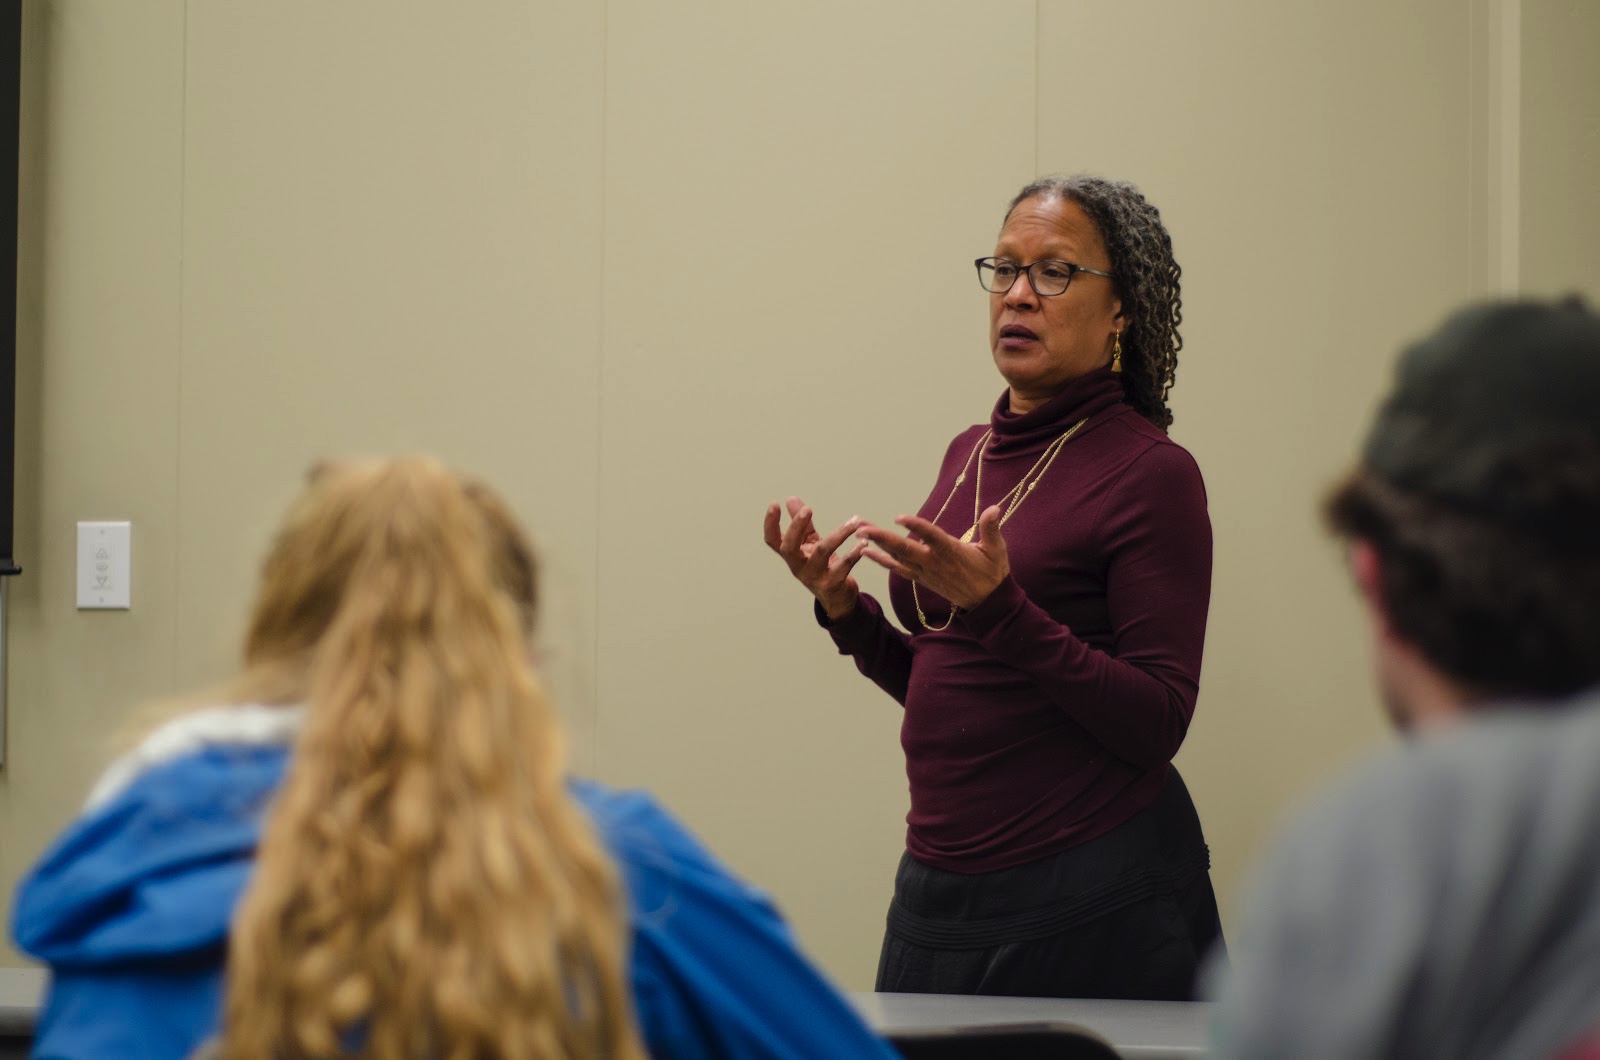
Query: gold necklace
{"x": 1019, "y": 493}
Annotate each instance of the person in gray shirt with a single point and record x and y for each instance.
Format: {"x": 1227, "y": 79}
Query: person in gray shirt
{"x": 1443, "y": 900}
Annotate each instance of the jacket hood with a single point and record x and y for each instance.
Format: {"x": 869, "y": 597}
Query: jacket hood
{"x": 154, "y": 866}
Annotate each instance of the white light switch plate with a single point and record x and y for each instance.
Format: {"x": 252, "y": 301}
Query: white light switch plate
{"x": 105, "y": 559}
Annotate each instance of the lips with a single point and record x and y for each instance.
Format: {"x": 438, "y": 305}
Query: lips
{"x": 1017, "y": 331}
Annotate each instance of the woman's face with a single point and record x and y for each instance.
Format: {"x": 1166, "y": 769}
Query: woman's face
{"x": 1041, "y": 344}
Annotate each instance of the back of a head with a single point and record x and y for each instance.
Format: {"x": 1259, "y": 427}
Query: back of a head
{"x": 424, "y": 885}
{"x": 1479, "y": 492}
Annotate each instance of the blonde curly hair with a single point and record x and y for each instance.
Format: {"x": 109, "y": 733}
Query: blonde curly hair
{"x": 425, "y": 888}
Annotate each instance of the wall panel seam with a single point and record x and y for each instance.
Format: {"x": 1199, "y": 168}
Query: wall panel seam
{"x": 177, "y": 419}
{"x": 1510, "y": 102}
{"x": 600, "y": 386}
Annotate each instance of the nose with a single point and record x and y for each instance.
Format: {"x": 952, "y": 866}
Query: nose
{"x": 1021, "y": 295}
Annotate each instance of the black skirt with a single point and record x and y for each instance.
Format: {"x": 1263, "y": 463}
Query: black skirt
{"x": 1130, "y": 914}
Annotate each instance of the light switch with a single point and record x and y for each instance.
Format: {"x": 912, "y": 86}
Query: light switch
{"x": 105, "y": 561}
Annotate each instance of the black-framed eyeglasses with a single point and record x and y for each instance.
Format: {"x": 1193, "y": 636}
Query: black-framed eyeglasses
{"x": 1047, "y": 276}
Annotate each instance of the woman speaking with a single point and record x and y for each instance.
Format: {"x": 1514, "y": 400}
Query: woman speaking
{"x": 1055, "y": 583}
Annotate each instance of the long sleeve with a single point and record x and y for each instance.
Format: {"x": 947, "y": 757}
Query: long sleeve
{"x": 138, "y": 1013}
{"x": 1137, "y": 701}
{"x": 715, "y": 970}
{"x": 717, "y": 974}
{"x": 881, "y": 652}
{"x": 1325, "y": 963}
{"x": 1435, "y": 901}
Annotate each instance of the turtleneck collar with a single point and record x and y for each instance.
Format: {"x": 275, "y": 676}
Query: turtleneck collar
{"x": 1081, "y": 398}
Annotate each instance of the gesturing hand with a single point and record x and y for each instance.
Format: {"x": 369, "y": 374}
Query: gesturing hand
{"x": 964, "y": 573}
{"x": 813, "y": 559}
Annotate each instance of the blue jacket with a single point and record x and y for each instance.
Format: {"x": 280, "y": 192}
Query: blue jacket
{"x": 130, "y": 909}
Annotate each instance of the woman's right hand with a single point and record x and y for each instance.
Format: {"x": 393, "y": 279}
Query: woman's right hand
{"x": 813, "y": 559}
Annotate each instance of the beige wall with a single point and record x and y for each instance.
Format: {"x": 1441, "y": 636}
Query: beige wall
{"x": 97, "y": 389}
{"x": 1305, "y": 265}
{"x": 1560, "y": 148}
{"x": 648, "y": 266}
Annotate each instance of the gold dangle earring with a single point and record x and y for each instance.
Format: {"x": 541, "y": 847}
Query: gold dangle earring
{"x": 1116, "y": 352}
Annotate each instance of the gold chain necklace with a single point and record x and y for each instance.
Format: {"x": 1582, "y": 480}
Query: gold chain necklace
{"x": 1013, "y": 500}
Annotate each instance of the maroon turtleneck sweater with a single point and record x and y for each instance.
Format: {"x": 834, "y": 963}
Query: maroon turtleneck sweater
{"x": 1048, "y": 714}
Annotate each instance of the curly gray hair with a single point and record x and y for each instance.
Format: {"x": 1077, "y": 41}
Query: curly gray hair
{"x": 1146, "y": 275}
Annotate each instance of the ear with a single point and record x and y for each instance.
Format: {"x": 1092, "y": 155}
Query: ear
{"x": 1119, "y": 323}
{"x": 1367, "y": 570}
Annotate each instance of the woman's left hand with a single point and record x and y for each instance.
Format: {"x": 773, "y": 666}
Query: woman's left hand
{"x": 964, "y": 573}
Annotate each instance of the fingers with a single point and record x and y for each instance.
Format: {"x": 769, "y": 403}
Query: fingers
{"x": 826, "y": 547}
{"x": 989, "y": 528}
{"x": 902, "y": 549}
{"x": 771, "y": 531}
{"x": 794, "y": 505}
{"x": 851, "y": 558}
{"x": 886, "y": 540}
{"x": 799, "y": 529}
{"x": 888, "y": 562}
{"x": 929, "y": 533}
